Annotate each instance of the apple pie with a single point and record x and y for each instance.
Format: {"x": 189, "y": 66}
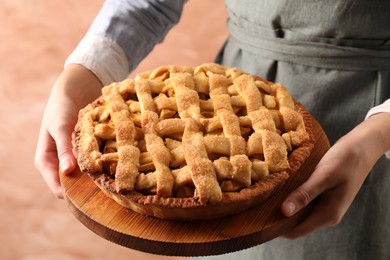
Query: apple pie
{"x": 192, "y": 142}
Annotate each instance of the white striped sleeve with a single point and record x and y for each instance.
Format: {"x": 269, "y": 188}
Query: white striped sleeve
{"x": 382, "y": 108}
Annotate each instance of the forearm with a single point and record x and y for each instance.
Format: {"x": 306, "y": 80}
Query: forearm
{"x": 78, "y": 84}
{"x": 369, "y": 140}
{"x": 382, "y": 108}
{"x": 379, "y": 124}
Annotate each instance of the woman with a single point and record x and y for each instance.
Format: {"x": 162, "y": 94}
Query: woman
{"x": 332, "y": 60}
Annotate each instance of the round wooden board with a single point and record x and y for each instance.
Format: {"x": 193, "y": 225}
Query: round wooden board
{"x": 180, "y": 238}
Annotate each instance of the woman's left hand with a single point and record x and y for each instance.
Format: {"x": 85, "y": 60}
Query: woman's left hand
{"x": 339, "y": 176}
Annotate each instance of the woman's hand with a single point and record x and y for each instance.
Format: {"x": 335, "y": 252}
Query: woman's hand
{"x": 75, "y": 88}
{"x": 339, "y": 176}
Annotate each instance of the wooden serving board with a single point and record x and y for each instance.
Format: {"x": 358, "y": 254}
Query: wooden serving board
{"x": 180, "y": 238}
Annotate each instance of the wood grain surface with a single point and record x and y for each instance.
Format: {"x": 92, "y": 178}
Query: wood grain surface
{"x": 180, "y": 238}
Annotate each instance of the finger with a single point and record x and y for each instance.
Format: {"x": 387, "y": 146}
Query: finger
{"x": 46, "y": 161}
{"x": 62, "y": 137}
{"x": 317, "y": 183}
{"x": 299, "y": 198}
{"x": 324, "y": 214}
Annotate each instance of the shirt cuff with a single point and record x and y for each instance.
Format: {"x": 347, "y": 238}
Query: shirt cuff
{"x": 105, "y": 58}
{"x": 382, "y": 108}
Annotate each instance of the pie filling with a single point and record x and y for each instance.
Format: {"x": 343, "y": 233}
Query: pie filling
{"x": 189, "y": 132}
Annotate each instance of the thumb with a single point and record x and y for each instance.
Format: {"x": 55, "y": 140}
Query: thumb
{"x": 302, "y": 196}
{"x": 67, "y": 161}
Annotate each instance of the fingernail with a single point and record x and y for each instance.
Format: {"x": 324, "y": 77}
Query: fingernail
{"x": 65, "y": 164}
{"x": 58, "y": 193}
{"x": 290, "y": 208}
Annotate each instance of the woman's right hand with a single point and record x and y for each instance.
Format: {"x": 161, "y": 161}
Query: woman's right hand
{"x": 75, "y": 88}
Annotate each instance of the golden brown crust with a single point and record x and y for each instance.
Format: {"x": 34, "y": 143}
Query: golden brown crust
{"x": 139, "y": 174}
{"x": 231, "y": 202}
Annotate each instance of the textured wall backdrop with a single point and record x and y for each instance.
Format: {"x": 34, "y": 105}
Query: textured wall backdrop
{"x": 35, "y": 38}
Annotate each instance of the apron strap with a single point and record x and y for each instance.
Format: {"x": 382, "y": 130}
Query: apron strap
{"x": 304, "y": 50}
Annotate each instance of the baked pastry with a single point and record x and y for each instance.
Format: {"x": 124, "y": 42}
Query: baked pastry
{"x": 192, "y": 143}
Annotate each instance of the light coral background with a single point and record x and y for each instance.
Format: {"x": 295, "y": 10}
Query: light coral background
{"x": 36, "y": 36}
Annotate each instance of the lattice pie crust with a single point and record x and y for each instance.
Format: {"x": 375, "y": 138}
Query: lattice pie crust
{"x": 192, "y": 143}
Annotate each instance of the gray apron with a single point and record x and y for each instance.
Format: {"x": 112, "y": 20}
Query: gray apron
{"x": 334, "y": 57}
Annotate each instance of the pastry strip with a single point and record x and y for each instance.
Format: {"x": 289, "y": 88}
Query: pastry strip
{"x": 128, "y": 155}
{"x": 89, "y": 154}
{"x": 161, "y": 156}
